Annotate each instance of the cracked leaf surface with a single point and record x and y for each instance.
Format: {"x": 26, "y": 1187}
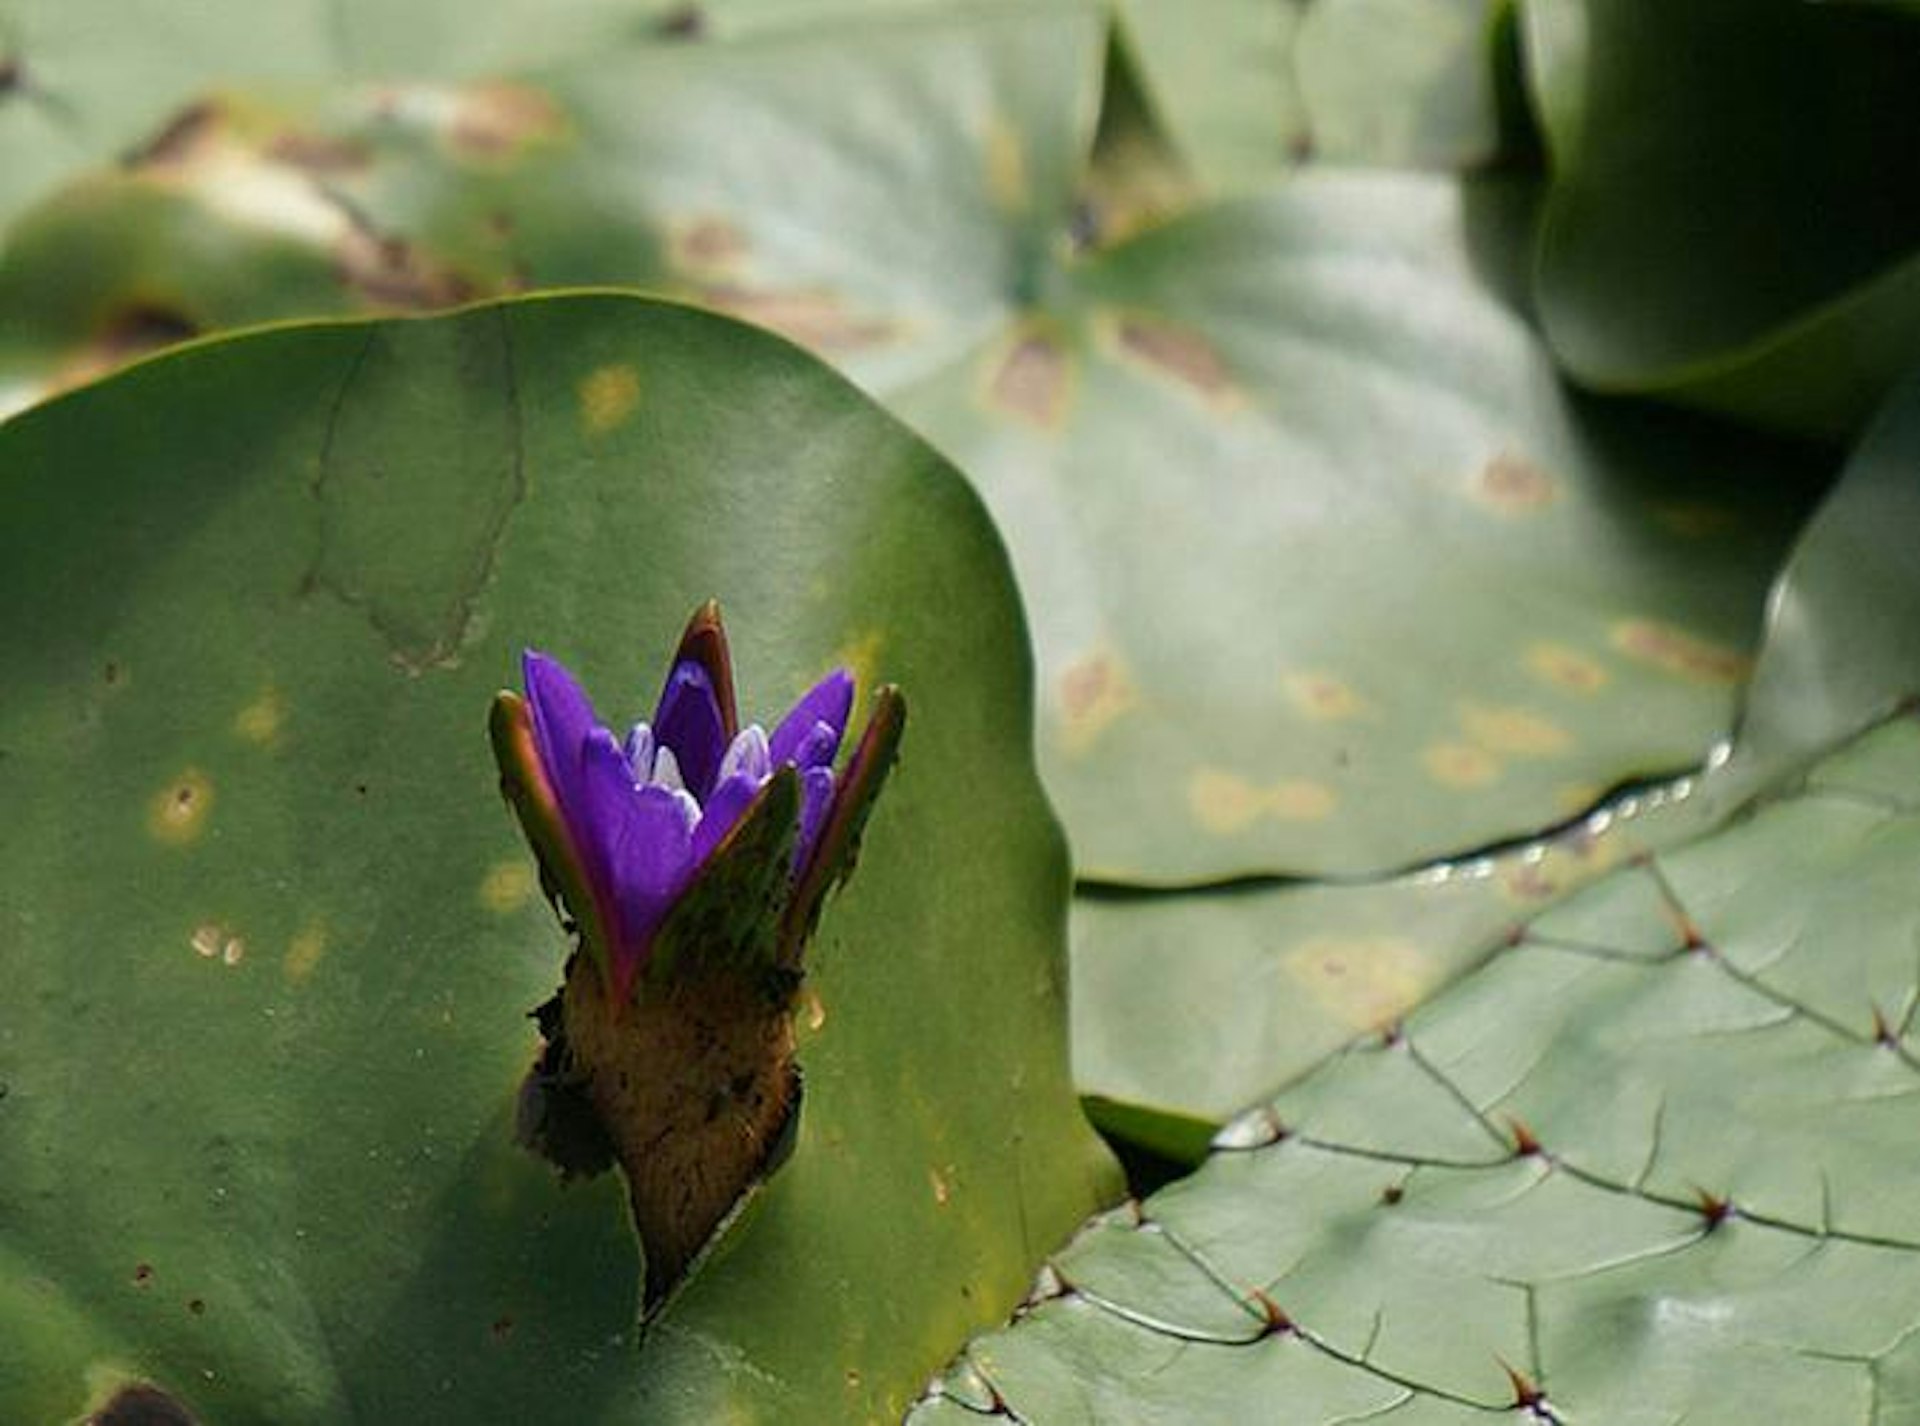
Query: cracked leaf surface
{"x": 256, "y": 1140}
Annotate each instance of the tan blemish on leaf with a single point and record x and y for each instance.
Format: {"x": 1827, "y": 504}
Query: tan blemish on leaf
{"x": 260, "y": 721}
{"x": 1673, "y": 650}
{"x": 1323, "y": 697}
{"x": 1460, "y": 764}
{"x": 233, "y": 951}
{"x": 813, "y": 1011}
{"x": 706, "y": 247}
{"x": 942, "y": 1189}
{"x": 1514, "y": 485}
{"x": 318, "y": 153}
{"x": 1566, "y": 668}
{"x": 860, "y": 656}
{"x": 1095, "y": 692}
{"x": 1365, "y": 982}
{"x": 497, "y": 120}
{"x": 1006, "y": 166}
{"x": 181, "y": 138}
{"x": 389, "y": 272}
{"x": 1170, "y": 350}
{"x": 506, "y": 886}
{"x": 129, "y": 331}
{"x": 304, "y": 953}
{"x": 1224, "y": 803}
{"x": 178, "y": 812}
{"x": 608, "y": 396}
{"x": 813, "y": 317}
{"x": 1029, "y": 378}
{"x": 1513, "y": 732}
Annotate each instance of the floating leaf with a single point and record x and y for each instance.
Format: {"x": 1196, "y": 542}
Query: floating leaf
{"x": 279, "y": 938}
{"x": 1187, "y": 1007}
{"x": 1269, "y": 472}
{"x": 1649, "y": 1162}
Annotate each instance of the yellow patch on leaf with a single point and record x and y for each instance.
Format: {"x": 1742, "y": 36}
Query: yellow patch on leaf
{"x": 1224, "y": 803}
{"x": 608, "y": 396}
{"x": 1366, "y": 982}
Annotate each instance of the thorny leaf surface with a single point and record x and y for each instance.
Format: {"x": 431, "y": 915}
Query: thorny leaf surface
{"x": 1650, "y": 1162}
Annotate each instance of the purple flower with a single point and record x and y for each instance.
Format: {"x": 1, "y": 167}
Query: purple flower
{"x": 626, "y": 828}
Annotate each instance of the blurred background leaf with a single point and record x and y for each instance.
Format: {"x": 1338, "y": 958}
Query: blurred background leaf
{"x": 1647, "y": 1161}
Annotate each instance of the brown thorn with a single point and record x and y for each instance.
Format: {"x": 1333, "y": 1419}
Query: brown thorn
{"x": 1525, "y": 1145}
{"x": 1883, "y": 1033}
{"x": 1714, "y": 1208}
{"x": 1277, "y": 1320}
{"x": 1526, "y": 1395}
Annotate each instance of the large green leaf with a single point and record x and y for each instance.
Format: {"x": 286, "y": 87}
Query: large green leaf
{"x": 1270, "y": 472}
{"x": 1263, "y": 981}
{"x": 1649, "y": 1162}
{"x": 1652, "y": 1162}
{"x": 273, "y": 937}
{"x": 1722, "y": 226}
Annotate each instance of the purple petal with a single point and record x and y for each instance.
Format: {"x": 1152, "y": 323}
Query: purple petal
{"x": 817, "y": 749}
{"x": 829, "y": 701}
{"x": 816, "y": 801}
{"x": 563, "y": 716}
{"x": 643, "y": 835}
{"x": 688, "y": 722}
{"x": 730, "y": 800}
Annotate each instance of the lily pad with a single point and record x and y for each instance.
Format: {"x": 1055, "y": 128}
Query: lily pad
{"x": 1270, "y": 473}
{"x": 1720, "y": 228}
{"x": 1261, "y": 982}
{"x": 1248, "y": 89}
{"x": 278, "y": 936}
{"x": 1649, "y": 1162}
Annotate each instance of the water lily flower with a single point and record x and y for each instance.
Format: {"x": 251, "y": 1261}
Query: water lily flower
{"x": 627, "y": 826}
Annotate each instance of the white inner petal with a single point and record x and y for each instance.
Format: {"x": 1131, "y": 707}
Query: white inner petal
{"x": 685, "y": 801}
{"x": 748, "y": 754}
{"x": 666, "y": 770}
{"x": 639, "y": 752}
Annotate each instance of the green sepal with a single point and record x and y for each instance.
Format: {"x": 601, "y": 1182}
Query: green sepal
{"x": 733, "y": 912}
{"x": 523, "y": 782}
{"x": 839, "y": 845}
